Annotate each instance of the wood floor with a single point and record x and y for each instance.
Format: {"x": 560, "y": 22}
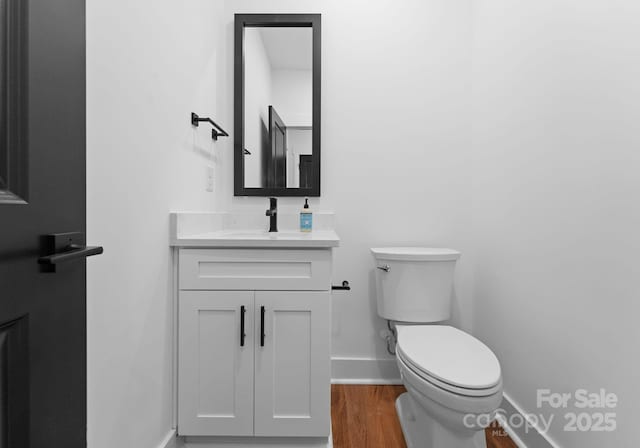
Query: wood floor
{"x": 365, "y": 417}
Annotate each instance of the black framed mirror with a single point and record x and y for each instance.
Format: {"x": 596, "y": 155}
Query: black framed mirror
{"x": 277, "y": 105}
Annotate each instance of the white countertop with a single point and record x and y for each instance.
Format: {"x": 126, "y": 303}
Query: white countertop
{"x": 228, "y": 230}
{"x": 259, "y": 238}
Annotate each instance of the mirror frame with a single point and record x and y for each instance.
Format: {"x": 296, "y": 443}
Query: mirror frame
{"x": 274, "y": 20}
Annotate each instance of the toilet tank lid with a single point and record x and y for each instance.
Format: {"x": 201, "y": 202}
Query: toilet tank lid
{"x": 415, "y": 253}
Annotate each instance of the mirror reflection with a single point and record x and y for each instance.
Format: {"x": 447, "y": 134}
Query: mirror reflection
{"x": 278, "y": 93}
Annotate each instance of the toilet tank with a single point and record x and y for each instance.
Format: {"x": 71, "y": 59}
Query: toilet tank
{"x": 414, "y": 284}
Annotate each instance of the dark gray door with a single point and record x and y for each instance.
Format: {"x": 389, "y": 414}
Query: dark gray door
{"x": 277, "y": 174}
{"x": 42, "y": 191}
{"x": 306, "y": 170}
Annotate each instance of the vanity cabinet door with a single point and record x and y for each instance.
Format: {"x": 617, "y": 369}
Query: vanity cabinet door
{"x": 215, "y": 370}
{"x": 292, "y": 363}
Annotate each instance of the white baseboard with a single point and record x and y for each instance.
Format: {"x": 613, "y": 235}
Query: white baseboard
{"x": 173, "y": 441}
{"x": 364, "y": 371}
{"x": 524, "y": 439}
{"x": 170, "y": 440}
{"x": 257, "y": 442}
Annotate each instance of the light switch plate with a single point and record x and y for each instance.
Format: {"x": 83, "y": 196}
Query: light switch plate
{"x": 209, "y": 178}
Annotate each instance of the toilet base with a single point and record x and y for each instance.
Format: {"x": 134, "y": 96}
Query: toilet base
{"x": 422, "y": 431}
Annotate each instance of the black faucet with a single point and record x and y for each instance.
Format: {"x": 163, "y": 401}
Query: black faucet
{"x": 273, "y": 214}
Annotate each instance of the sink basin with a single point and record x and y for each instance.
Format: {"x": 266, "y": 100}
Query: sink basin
{"x": 264, "y": 234}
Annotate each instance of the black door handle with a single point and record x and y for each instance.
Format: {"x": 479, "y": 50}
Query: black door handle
{"x": 73, "y": 253}
{"x": 242, "y": 334}
{"x": 262, "y": 326}
{"x": 63, "y": 247}
{"x": 345, "y": 286}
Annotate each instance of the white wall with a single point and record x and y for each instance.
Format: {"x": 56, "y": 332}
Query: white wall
{"x": 395, "y": 142}
{"x": 293, "y": 95}
{"x": 556, "y": 217}
{"x": 257, "y": 99}
{"x": 149, "y": 65}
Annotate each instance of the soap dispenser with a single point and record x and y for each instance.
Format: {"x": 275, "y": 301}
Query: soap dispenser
{"x": 306, "y": 217}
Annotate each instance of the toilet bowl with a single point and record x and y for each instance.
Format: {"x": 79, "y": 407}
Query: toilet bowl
{"x": 454, "y": 387}
{"x": 453, "y": 381}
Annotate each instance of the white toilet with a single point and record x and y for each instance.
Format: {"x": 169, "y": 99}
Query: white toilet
{"x": 453, "y": 380}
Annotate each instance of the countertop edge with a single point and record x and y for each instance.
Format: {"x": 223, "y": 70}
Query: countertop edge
{"x": 248, "y": 244}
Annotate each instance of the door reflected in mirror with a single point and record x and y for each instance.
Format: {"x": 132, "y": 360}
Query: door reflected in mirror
{"x": 279, "y": 151}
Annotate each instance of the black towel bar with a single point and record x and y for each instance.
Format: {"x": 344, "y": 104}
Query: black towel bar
{"x": 216, "y": 132}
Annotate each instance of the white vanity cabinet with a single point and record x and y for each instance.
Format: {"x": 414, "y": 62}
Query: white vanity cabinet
{"x": 254, "y": 342}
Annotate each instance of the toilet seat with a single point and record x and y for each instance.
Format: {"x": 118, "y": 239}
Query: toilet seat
{"x": 446, "y": 387}
{"x": 449, "y": 359}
